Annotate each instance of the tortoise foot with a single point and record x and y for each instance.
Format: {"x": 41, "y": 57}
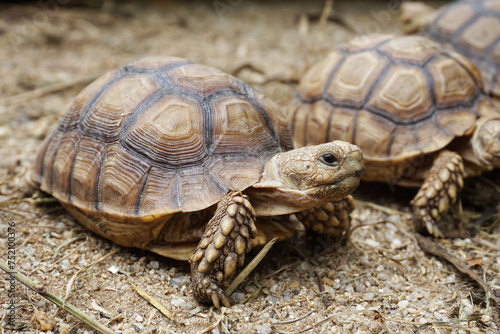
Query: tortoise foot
{"x": 222, "y": 249}
{"x": 331, "y": 219}
{"x": 438, "y": 193}
{"x": 208, "y": 290}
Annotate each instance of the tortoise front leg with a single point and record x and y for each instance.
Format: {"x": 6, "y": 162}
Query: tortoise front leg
{"x": 438, "y": 192}
{"x": 222, "y": 248}
{"x": 330, "y": 219}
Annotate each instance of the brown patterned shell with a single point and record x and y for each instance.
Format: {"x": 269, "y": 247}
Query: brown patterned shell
{"x": 471, "y": 28}
{"x": 395, "y": 97}
{"x": 159, "y": 136}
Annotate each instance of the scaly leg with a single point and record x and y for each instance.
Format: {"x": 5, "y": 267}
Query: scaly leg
{"x": 438, "y": 192}
{"x": 331, "y": 219}
{"x": 222, "y": 248}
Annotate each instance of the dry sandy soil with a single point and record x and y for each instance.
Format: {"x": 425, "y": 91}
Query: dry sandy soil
{"x": 380, "y": 282}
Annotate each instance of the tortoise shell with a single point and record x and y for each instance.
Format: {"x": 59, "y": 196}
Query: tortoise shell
{"x": 471, "y": 28}
{"x": 160, "y": 136}
{"x": 395, "y": 97}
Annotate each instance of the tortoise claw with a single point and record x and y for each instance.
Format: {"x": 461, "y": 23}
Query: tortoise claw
{"x": 218, "y": 297}
{"x": 215, "y": 300}
{"x": 433, "y": 229}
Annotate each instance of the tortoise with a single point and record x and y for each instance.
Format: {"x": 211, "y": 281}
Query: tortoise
{"x": 417, "y": 110}
{"x": 469, "y": 27}
{"x": 189, "y": 162}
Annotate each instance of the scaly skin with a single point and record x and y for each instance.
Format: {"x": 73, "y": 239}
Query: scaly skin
{"x": 222, "y": 249}
{"x": 331, "y": 219}
{"x": 438, "y": 193}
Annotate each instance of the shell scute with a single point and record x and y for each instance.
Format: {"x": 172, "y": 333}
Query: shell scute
{"x": 85, "y": 175}
{"x": 355, "y": 77}
{"x": 405, "y": 144}
{"x": 319, "y": 122}
{"x": 72, "y": 117}
{"x": 479, "y": 35}
{"x": 202, "y": 80}
{"x": 414, "y": 50}
{"x": 431, "y": 137}
{"x": 460, "y": 85}
{"x": 123, "y": 175}
{"x": 315, "y": 80}
{"x": 451, "y": 20}
{"x": 168, "y": 132}
{"x": 62, "y": 167}
{"x": 403, "y": 94}
{"x": 458, "y": 121}
{"x": 375, "y": 134}
{"x": 343, "y": 122}
{"x": 105, "y": 117}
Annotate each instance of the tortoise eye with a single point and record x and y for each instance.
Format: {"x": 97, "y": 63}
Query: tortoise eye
{"x": 330, "y": 159}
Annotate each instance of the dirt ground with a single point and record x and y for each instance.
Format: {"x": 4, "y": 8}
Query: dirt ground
{"x": 380, "y": 282}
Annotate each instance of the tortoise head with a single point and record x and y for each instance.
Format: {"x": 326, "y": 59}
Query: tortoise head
{"x": 486, "y": 141}
{"x": 306, "y": 177}
{"x": 332, "y": 170}
{"x": 415, "y": 16}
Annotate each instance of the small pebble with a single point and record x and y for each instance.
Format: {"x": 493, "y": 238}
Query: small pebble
{"x": 238, "y": 296}
{"x": 113, "y": 269}
{"x": 272, "y": 299}
{"x": 295, "y": 283}
{"x": 303, "y": 266}
{"x": 396, "y": 243}
{"x": 403, "y": 304}
{"x": 369, "y": 296}
{"x": 181, "y": 303}
{"x": 263, "y": 329}
{"x": 179, "y": 280}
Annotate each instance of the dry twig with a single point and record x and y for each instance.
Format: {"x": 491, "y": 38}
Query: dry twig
{"x": 153, "y": 302}
{"x": 54, "y": 88}
{"x": 42, "y": 291}
{"x": 248, "y": 269}
{"x": 431, "y": 247}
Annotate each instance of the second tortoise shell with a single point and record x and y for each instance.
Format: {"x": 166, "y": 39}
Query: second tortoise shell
{"x": 160, "y": 136}
{"x": 395, "y": 97}
{"x": 471, "y": 28}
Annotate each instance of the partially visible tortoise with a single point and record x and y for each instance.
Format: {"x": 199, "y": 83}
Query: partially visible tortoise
{"x": 417, "y": 110}
{"x": 187, "y": 161}
{"x": 469, "y": 27}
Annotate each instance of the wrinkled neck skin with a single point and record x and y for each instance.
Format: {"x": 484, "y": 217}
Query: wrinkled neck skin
{"x": 270, "y": 197}
{"x": 278, "y": 195}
